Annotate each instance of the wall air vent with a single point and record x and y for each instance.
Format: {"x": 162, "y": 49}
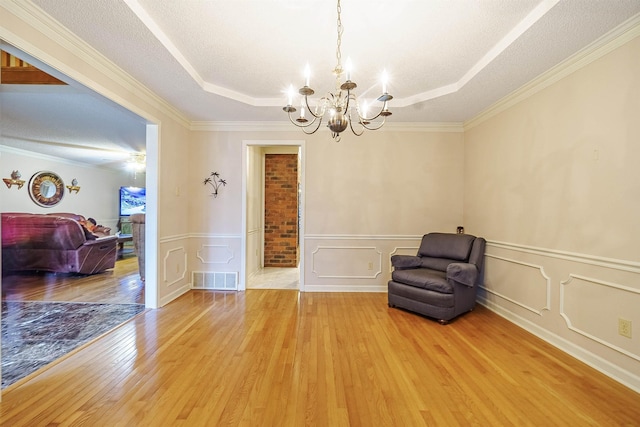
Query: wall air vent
{"x": 215, "y": 280}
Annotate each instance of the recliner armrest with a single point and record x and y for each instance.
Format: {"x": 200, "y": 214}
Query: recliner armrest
{"x": 463, "y": 273}
{"x": 401, "y": 262}
{"x": 102, "y": 240}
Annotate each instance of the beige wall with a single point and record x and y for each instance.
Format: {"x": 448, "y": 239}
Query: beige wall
{"x": 553, "y": 183}
{"x": 99, "y": 187}
{"x": 365, "y": 199}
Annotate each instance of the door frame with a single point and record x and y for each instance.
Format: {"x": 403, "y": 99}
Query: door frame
{"x": 242, "y": 282}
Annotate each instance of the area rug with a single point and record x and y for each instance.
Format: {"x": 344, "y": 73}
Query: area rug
{"x": 36, "y": 333}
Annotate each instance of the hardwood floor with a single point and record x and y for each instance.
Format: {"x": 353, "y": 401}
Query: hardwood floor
{"x": 283, "y": 358}
{"x": 120, "y": 285}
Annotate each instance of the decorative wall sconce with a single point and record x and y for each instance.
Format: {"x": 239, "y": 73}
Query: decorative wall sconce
{"x": 215, "y": 182}
{"x": 74, "y": 186}
{"x": 14, "y": 180}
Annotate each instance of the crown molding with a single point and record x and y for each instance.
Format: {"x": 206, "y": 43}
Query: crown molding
{"x": 37, "y": 18}
{"x": 212, "y": 126}
{"x": 614, "y": 39}
{"x": 35, "y": 155}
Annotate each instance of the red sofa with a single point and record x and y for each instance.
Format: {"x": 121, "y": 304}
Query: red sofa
{"x": 48, "y": 242}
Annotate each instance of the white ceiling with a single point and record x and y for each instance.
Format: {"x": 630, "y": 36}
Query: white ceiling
{"x": 221, "y": 61}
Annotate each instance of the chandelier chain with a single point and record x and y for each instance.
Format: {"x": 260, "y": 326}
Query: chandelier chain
{"x": 340, "y": 28}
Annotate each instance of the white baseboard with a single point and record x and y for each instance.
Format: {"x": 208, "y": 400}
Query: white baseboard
{"x": 623, "y": 376}
{"x": 348, "y": 288}
{"x": 175, "y": 294}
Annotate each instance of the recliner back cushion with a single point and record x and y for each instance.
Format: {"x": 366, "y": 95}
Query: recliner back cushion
{"x": 37, "y": 231}
{"x": 439, "y": 264}
{"x": 443, "y": 245}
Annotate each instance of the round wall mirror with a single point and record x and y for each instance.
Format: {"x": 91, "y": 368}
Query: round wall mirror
{"x": 46, "y": 189}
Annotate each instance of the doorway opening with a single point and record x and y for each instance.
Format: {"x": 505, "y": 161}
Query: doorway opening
{"x": 273, "y": 182}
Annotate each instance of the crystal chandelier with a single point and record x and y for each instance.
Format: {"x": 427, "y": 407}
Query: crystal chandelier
{"x": 341, "y": 107}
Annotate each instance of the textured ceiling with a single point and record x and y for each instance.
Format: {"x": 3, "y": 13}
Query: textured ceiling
{"x": 448, "y": 60}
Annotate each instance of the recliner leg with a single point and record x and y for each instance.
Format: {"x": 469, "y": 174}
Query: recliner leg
{"x": 443, "y": 322}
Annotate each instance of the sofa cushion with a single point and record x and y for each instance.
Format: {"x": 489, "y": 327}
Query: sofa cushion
{"x": 424, "y": 278}
{"x": 443, "y": 245}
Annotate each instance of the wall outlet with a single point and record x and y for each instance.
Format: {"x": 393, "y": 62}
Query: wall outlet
{"x": 370, "y": 266}
{"x": 624, "y": 327}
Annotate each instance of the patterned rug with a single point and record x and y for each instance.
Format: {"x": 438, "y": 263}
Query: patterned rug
{"x": 36, "y": 333}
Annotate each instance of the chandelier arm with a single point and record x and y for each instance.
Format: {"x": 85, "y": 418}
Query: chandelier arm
{"x": 304, "y": 129}
{"x": 374, "y": 127}
{"x": 353, "y": 129}
{"x": 306, "y": 101}
{"x": 346, "y": 108}
{"x": 303, "y": 126}
{"x": 384, "y": 106}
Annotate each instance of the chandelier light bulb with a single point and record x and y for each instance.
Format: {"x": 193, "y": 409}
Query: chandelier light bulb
{"x": 307, "y": 74}
{"x": 365, "y": 109}
{"x": 290, "y": 94}
{"x": 385, "y": 79}
{"x": 349, "y": 67}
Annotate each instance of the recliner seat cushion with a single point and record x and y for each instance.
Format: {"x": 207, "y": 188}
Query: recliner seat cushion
{"x": 424, "y": 278}
{"x": 442, "y": 245}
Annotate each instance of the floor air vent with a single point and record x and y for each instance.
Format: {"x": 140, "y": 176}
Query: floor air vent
{"x": 214, "y": 280}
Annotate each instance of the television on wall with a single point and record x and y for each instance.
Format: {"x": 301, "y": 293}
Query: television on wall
{"x": 132, "y": 200}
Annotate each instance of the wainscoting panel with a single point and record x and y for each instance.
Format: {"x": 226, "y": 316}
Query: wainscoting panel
{"x": 341, "y": 263}
{"x": 173, "y": 276}
{"x": 520, "y": 283}
{"x": 174, "y": 265}
{"x": 215, "y": 254}
{"x": 344, "y": 262}
{"x": 571, "y": 300}
{"x": 614, "y": 301}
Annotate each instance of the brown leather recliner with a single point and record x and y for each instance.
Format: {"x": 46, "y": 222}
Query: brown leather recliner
{"x": 137, "y": 229}
{"x": 41, "y": 242}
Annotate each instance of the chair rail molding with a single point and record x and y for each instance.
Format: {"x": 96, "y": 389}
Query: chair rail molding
{"x": 174, "y": 238}
{"x": 616, "y": 264}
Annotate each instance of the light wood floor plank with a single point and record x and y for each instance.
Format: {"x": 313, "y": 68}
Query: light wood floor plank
{"x": 279, "y": 358}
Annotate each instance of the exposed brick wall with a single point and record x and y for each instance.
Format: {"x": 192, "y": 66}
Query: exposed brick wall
{"x": 281, "y": 210}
